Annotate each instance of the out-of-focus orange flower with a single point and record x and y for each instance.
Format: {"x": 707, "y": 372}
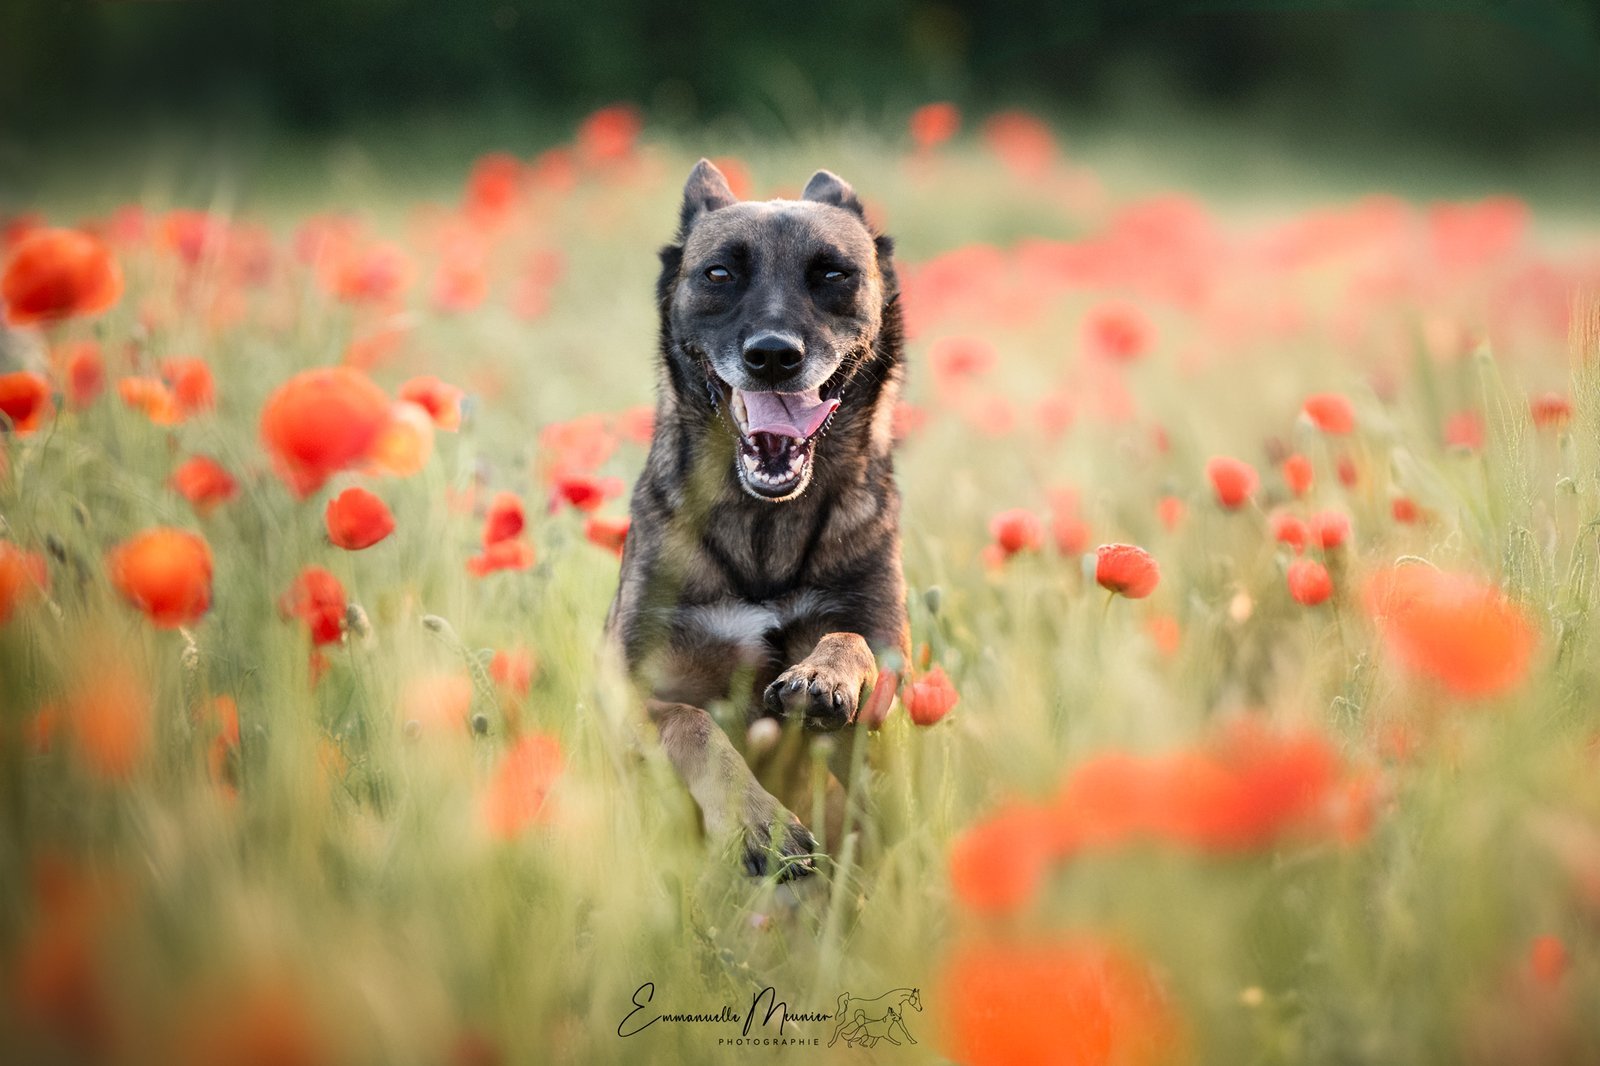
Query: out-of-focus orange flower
{"x": 1171, "y": 511}
{"x": 1550, "y": 410}
{"x": 320, "y": 422}
{"x": 502, "y": 555}
{"x": 1016, "y": 530}
{"x": 357, "y": 519}
{"x": 24, "y": 401}
{"x": 190, "y": 234}
{"x": 1126, "y": 569}
{"x": 737, "y": 175}
{"x": 1118, "y": 332}
{"x": 1464, "y": 429}
{"x": 1330, "y": 412}
{"x": 438, "y": 702}
{"x": 441, "y": 401}
{"x": 1297, "y": 474}
{"x": 1024, "y": 144}
{"x": 930, "y": 697}
{"x": 317, "y": 599}
{"x": 1067, "y": 528}
{"x": 1288, "y": 529}
{"x": 956, "y": 360}
{"x": 584, "y": 492}
{"x": 996, "y": 865}
{"x": 52, "y": 274}
{"x": 1105, "y": 802}
{"x": 1547, "y": 960}
{"x": 404, "y": 443}
{"x": 1233, "y": 480}
{"x": 518, "y": 793}
{"x": 933, "y": 124}
{"x": 607, "y": 136}
{"x": 1088, "y": 1003}
{"x": 56, "y": 986}
{"x": 493, "y": 186}
{"x": 578, "y": 445}
{"x": 513, "y": 669}
{"x": 204, "y": 483}
{"x": 637, "y": 424}
{"x": 1309, "y": 582}
{"x": 220, "y": 717}
{"x": 1404, "y": 510}
{"x": 377, "y": 273}
{"x": 1454, "y": 629}
{"x": 265, "y": 1021}
{"x": 192, "y": 383}
{"x": 108, "y": 714}
{"x": 166, "y": 573}
{"x": 24, "y": 577}
{"x": 607, "y": 533}
{"x": 153, "y": 397}
{"x": 1329, "y": 529}
{"x": 83, "y": 372}
{"x": 1164, "y": 633}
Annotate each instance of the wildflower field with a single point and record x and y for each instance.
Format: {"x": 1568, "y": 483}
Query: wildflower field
{"x": 1252, "y": 557}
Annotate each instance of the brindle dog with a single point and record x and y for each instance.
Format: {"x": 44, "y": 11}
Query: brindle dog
{"x": 763, "y": 562}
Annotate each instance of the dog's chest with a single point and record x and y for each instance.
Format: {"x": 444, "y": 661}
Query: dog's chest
{"x": 747, "y": 628}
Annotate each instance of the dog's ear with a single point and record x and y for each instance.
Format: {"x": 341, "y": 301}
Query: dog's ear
{"x": 826, "y": 187}
{"x": 706, "y": 190}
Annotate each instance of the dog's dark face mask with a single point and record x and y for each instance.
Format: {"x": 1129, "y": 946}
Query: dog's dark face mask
{"x": 775, "y": 306}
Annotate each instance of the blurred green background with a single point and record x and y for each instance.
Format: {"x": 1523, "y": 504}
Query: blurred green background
{"x": 1482, "y": 75}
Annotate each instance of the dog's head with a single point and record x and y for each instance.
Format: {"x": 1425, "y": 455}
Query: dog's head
{"x": 775, "y": 306}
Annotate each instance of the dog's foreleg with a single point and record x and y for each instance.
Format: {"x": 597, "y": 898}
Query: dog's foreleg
{"x": 731, "y": 800}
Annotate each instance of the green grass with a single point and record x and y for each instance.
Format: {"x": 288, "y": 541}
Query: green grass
{"x": 413, "y": 935}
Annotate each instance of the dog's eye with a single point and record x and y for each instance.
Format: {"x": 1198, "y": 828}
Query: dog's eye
{"x": 719, "y": 274}
{"x": 835, "y": 275}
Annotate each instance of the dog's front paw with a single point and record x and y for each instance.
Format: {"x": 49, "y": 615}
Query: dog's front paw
{"x": 823, "y": 694}
{"x": 774, "y": 844}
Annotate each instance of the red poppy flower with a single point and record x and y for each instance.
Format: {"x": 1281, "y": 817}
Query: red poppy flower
{"x": 357, "y": 519}
{"x": 607, "y": 135}
{"x": 166, "y": 573}
{"x": 1126, "y": 570}
{"x": 317, "y": 599}
{"x": 1454, "y": 629}
{"x": 1016, "y": 531}
{"x": 607, "y": 533}
{"x": 1023, "y": 143}
{"x": 320, "y": 422}
{"x": 956, "y": 360}
{"x": 1550, "y": 411}
{"x": 1297, "y": 474}
{"x": 996, "y": 865}
{"x": 371, "y": 274}
{"x": 506, "y": 519}
{"x": 204, "y": 483}
{"x": 1171, "y": 511}
{"x": 151, "y": 396}
{"x": 84, "y": 371}
{"x": 1329, "y": 529}
{"x": 1309, "y": 582}
{"x": 513, "y": 669}
{"x": 930, "y": 697}
{"x": 933, "y": 124}
{"x": 1405, "y": 510}
{"x": 23, "y": 578}
{"x": 494, "y": 185}
{"x": 1464, "y": 429}
{"x": 1288, "y": 529}
{"x": 515, "y": 554}
{"x": 24, "y": 401}
{"x": 1330, "y": 412}
{"x": 1548, "y": 961}
{"x": 586, "y": 493}
{"x": 192, "y": 384}
{"x": 1233, "y": 480}
{"x": 1089, "y": 1004}
{"x": 109, "y": 716}
{"x": 51, "y": 274}
{"x": 519, "y": 791}
{"x": 441, "y": 401}
{"x": 1117, "y": 332}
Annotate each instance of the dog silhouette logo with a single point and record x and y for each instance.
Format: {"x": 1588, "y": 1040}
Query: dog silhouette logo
{"x": 863, "y": 1022}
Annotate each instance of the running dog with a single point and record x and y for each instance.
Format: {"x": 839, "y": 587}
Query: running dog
{"x": 762, "y": 566}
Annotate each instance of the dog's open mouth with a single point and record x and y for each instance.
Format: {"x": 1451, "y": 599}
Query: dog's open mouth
{"x": 777, "y": 436}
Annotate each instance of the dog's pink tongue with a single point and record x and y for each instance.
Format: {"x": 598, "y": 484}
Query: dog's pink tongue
{"x": 786, "y": 414}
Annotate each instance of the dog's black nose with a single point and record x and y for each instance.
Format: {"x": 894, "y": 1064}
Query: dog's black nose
{"x": 772, "y": 358}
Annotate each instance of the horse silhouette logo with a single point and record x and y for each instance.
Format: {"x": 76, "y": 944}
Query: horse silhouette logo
{"x": 863, "y": 1022}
